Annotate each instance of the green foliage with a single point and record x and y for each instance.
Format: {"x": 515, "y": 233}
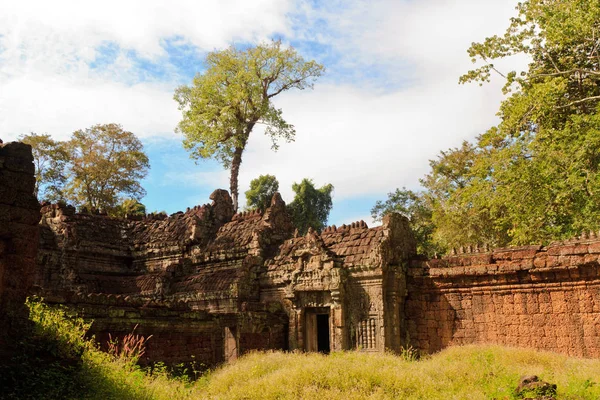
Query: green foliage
{"x": 233, "y": 94}
{"x": 96, "y": 169}
{"x": 535, "y": 177}
{"x": 261, "y": 192}
{"x": 65, "y": 327}
{"x": 50, "y": 159}
{"x": 57, "y": 361}
{"x": 130, "y": 207}
{"x": 311, "y": 206}
{"x": 416, "y": 207}
{"x": 106, "y": 164}
{"x": 458, "y": 195}
{"x": 47, "y": 361}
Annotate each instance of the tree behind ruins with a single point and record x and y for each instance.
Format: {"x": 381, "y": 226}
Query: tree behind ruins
{"x": 106, "y": 164}
{"x": 311, "y": 206}
{"x": 225, "y": 102}
{"x": 261, "y": 192}
{"x": 535, "y": 177}
{"x": 50, "y": 159}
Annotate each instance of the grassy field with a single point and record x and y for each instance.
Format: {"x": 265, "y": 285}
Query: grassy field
{"x": 77, "y": 370}
{"x": 470, "y": 372}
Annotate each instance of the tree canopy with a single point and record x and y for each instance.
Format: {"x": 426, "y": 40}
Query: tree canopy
{"x": 50, "y": 158}
{"x": 536, "y": 173}
{"x": 535, "y": 176}
{"x": 261, "y": 192}
{"x": 130, "y": 207}
{"x": 224, "y": 103}
{"x": 106, "y": 165}
{"x": 311, "y": 206}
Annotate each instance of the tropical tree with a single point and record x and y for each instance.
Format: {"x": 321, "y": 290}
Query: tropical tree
{"x": 107, "y": 164}
{"x": 50, "y": 158}
{"x": 225, "y": 102}
{"x": 311, "y": 206}
{"x": 538, "y": 172}
{"x": 261, "y": 192}
{"x": 458, "y": 192}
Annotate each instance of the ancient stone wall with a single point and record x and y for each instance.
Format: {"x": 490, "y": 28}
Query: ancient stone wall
{"x": 547, "y": 298}
{"x": 19, "y": 217}
{"x": 189, "y": 280}
{"x": 209, "y": 285}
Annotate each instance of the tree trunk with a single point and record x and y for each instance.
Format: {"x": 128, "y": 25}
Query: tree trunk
{"x": 233, "y": 180}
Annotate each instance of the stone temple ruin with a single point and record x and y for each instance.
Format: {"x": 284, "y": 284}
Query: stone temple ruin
{"x": 212, "y": 284}
{"x": 209, "y": 285}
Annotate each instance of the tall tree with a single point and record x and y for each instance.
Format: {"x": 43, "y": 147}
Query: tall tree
{"x": 538, "y": 172}
{"x": 107, "y": 164}
{"x": 261, "y": 192}
{"x": 50, "y": 158}
{"x": 224, "y": 103}
{"x": 311, "y": 206}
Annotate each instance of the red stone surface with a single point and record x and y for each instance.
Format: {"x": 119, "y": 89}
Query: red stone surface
{"x": 546, "y": 298}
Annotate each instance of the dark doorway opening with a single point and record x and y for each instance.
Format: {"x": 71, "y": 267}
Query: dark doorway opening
{"x": 323, "y": 333}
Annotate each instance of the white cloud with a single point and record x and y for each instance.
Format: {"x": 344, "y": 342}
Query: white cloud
{"x": 58, "y": 107}
{"x": 365, "y": 140}
{"x": 47, "y": 84}
{"x": 360, "y": 139}
{"x": 142, "y": 25}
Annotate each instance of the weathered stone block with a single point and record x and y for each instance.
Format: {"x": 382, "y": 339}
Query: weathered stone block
{"x": 594, "y": 247}
{"x": 17, "y": 164}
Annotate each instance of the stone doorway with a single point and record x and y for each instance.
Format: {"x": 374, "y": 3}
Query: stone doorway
{"x": 318, "y": 330}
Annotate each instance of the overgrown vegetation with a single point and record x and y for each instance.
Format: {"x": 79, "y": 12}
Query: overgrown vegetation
{"x": 535, "y": 177}
{"x": 309, "y": 209}
{"x": 99, "y": 168}
{"x": 261, "y": 192}
{"x": 57, "y": 362}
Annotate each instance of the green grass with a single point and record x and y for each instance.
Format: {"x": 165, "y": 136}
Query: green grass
{"x": 469, "y": 372}
{"x": 73, "y": 368}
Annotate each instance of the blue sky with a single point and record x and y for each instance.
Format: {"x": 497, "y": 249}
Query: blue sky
{"x": 389, "y": 101}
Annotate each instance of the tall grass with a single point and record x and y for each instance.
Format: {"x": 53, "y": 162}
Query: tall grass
{"x": 56, "y": 361}
{"x": 470, "y": 372}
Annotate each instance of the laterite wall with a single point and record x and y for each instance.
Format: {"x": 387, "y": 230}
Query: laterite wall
{"x": 546, "y": 298}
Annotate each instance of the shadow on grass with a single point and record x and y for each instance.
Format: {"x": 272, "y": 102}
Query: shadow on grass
{"x": 54, "y": 360}
{"x": 39, "y": 370}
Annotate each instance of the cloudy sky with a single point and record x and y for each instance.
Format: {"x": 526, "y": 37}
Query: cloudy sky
{"x": 388, "y": 103}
